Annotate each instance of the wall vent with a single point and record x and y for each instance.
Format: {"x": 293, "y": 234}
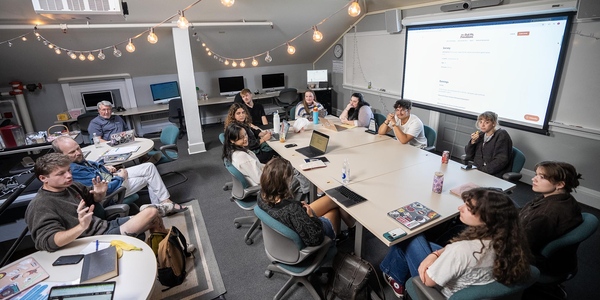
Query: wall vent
{"x": 69, "y": 9}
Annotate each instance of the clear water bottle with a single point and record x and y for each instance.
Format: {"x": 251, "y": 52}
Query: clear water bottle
{"x": 276, "y": 123}
{"x": 346, "y": 172}
{"x": 96, "y": 140}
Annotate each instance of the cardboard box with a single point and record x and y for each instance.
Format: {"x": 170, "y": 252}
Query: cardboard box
{"x": 62, "y": 116}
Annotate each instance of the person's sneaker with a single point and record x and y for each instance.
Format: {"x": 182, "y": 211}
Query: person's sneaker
{"x": 162, "y": 209}
{"x": 190, "y": 248}
{"x": 396, "y": 287}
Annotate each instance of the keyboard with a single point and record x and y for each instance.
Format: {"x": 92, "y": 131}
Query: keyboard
{"x": 345, "y": 196}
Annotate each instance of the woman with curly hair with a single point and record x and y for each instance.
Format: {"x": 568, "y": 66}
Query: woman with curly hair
{"x": 257, "y": 138}
{"x": 492, "y": 247}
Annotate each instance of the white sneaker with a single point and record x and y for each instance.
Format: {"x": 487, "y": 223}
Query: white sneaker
{"x": 190, "y": 248}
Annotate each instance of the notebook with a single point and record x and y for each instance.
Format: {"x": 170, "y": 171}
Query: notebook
{"x": 331, "y": 126}
{"x": 317, "y": 146}
{"x": 413, "y": 215}
{"x": 373, "y": 127}
{"x": 100, "y": 265}
{"x": 20, "y": 276}
{"x": 88, "y": 291}
{"x": 121, "y": 138}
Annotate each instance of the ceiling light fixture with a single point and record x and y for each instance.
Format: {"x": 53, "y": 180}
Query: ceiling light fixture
{"x": 226, "y": 62}
{"x": 254, "y": 62}
{"x": 354, "y": 9}
{"x": 101, "y": 55}
{"x": 317, "y": 35}
{"x": 268, "y": 58}
{"x": 57, "y": 51}
{"x": 182, "y": 22}
{"x": 234, "y": 64}
{"x": 291, "y": 49}
{"x": 152, "y": 38}
{"x": 24, "y": 38}
{"x": 116, "y": 52}
{"x": 242, "y": 63}
{"x": 81, "y": 57}
{"x": 91, "y": 57}
{"x": 130, "y": 47}
{"x": 227, "y": 3}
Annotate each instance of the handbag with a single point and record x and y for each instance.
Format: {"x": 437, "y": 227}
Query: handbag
{"x": 351, "y": 278}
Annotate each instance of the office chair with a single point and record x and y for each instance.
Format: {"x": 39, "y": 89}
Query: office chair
{"x": 288, "y": 98}
{"x": 244, "y": 196}
{"x": 228, "y": 184}
{"x": 290, "y": 256}
{"x": 238, "y": 98}
{"x": 118, "y": 197}
{"x": 168, "y": 150}
{"x": 568, "y": 243}
{"x": 176, "y": 115}
{"x": 517, "y": 162}
{"x": 379, "y": 118}
{"x": 83, "y": 121}
{"x": 494, "y": 290}
{"x": 108, "y": 211}
{"x": 431, "y": 136}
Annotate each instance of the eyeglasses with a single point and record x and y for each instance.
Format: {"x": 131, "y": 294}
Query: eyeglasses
{"x": 399, "y": 109}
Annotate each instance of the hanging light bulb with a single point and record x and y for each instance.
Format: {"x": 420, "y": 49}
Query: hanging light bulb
{"x": 268, "y": 58}
{"x": 39, "y": 38}
{"x": 91, "y": 57}
{"x": 130, "y": 47}
{"x": 254, "y": 62}
{"x": 9, "y": 44}
{"x": 226, "y": 62}
{"x": 152, "y": 38}
{"x": 101, "y": 55}
{"x": 203, "y": 44}
{"x": 71, "y": 55}
{"x": 354, "y": 9}
{"x": 50, "y": 46}
{"x": 81, "y": 56}
{"x": 227, "y": 3}
{"x": 116, "y": 52}
{"x": 182, "y": 22}
{"x": 234, "y": 64}
{"x": 24, "y": 38}
{"x": 207, "y": 49}
{"x": 36, "y": 33}
{"x": 209, "y": 53}
{"x": 317, "y": 35}
{"x": 291, "y": 49}
{"x": 45, "y": 43}
{"x": 57, "y": 50}
{"x": 242, "y": 63}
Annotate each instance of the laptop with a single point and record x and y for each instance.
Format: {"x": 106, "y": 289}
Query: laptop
{"x": 87, "y": 291}
{"x": 121, "y": 138}
{"x": 331, "y": 126}
{"x": 345, "y": 196}
{"x": 317, "y": 146}
{"x": 373, "y": 127}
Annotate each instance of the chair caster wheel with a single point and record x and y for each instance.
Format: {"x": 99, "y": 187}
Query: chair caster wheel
{"x": 268, "y": 274}
{"x": 237, "y": 225}
{"x": 249, "y": 241}
{"x": 225, "y": 188}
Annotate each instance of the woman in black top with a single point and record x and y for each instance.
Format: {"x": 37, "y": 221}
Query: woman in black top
{"x": 257, "y": 138}
{"x": 490, "y": 148}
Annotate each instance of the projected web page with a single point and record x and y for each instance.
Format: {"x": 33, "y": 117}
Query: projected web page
{"x": 507, "y": 66}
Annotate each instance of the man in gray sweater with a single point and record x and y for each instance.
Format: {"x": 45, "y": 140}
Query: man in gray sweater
{"x": 62, "y": 210}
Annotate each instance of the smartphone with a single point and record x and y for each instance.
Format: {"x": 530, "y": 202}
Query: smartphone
{"x": 468, "y": 167}
{"x": 290, "y": 145}
{"x": 68, "y": 260}
{"x": 394, "y": 234}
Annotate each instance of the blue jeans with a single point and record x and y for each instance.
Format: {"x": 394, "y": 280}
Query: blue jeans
{"x": 404, "y": 258}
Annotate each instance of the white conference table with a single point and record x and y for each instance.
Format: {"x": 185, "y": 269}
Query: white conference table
{"x": 388, "y": 174}
{"x": 95, "y": 153}
{"x": 137, "y": 269}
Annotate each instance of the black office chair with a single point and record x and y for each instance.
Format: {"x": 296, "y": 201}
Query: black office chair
{"x": 517, "y": 161}
{"x": 83, "y": 121}
{"x": 176, "y": 115}
{"x": 238, "y": 98}
{"x": 288, "y": 98}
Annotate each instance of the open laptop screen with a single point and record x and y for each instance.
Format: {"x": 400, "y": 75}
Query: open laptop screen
{"x": 319, "y": 141}
{"x": 87, "y": 291}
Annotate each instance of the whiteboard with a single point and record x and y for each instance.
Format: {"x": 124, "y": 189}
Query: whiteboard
{"x": 376, "y": 57}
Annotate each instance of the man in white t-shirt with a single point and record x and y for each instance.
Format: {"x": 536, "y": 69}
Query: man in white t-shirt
{"x": 406, "y": 127}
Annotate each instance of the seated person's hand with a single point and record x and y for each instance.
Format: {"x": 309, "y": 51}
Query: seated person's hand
{"x": 390, "y": 118}
{"x": 267, "y": 134}
{"x": 99, "y": 186}
{"x": 122, "y": 173}
{"x": 474, "y": 137}
{"x": 84, "y": 214}
{"x": 111, "y": 169}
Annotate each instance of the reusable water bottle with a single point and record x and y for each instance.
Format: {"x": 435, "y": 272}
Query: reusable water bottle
{"x": 346, "y": 172}
{"x": 276, "y": 123}
{"x": 96, "y": 140}
{"x": 315, "y": 115}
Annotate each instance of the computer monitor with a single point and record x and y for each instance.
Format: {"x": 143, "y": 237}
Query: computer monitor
{"x": 273, "y": 82}
{"x": 229, "y": 86}
{"x": 316, "y": 76}
{"x": 90, "y": 99}
{"x": 165, "y": 92}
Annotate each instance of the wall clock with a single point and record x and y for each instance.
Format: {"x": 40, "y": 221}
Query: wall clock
{"x": 338, "y": 50}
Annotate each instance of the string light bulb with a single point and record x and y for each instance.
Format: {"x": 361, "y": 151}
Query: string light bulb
{"x": 116, "y": 52}
{"x": 152, "y": 38}
{"x": 209, "y": 53}
{"x": 24, "y": 38}
{"x": 317, "y": 35}
{"x": 182, "y": 22}
{"x": 81, "y": 57}
{"x": 91, "y": 57}
{"x": 268, "y": 58}
{"x": 57, "y": 50}
{"x": 203, "y": 44}
{"x": 254, "y": 62}
{"x": 101, "y": 55}
{"x": 71, "y": 55}
{"x": 9, "y": 44}
{"x": 226, "y": 62}
{"x": 227, "y": 3}
{"x": 234, "y": 64}
{"x": 291, "y": 49}
{"x": 130, "y": 47}
{"x": 354, "y": 9}
{"x": 242, "y": 63}
{"x": 50, "y": 46}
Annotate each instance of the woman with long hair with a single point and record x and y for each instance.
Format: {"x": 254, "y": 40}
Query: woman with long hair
{"x": 491, "y": 247}
{"x": 358, "y": 112}
{"x": 490, "y": 147}
{"x": 305, "y": 108}
{"x": 257, "y": 138}
{"x": 312, "y": 222}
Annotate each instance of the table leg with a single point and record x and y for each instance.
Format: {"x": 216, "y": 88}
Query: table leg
{"x": 358, "y": 238}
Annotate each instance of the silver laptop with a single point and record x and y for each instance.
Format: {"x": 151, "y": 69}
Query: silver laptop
{"x": 87, "y": 291}
{"x": 121, "y": 138}
{"x": 331, "y": 126}
{"x": 317, "y": 146}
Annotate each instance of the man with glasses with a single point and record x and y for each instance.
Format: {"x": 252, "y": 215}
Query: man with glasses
{"x": 106, "y": 123}
{"x": 407, "y": 128}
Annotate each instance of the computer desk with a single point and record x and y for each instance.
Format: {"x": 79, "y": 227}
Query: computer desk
{"x": 388, "y": 174}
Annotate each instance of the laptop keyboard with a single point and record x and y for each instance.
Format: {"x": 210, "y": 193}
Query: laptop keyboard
{"x": 354, "y": 197}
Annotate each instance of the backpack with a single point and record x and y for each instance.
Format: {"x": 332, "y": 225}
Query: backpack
{"x": 171, "y": 253}
{"x": 351, "y": 277}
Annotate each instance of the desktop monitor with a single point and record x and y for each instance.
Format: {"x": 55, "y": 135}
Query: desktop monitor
{"x": 90, "y": 100}
{"x": 316, "y": 76}
{"x": 165, "y": 92}
{"x": 273, "y": 82}
{"x": 229, "y": 86}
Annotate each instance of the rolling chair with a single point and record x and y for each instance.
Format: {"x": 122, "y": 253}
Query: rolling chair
{"x": 108, "y": 211}
{"x": 289, "y": 255}
{"x": 288, "y": 98}
{"x": 118, "y": 197}
{"x": 83, "y": 121}
{"x": 168, "y": 150}
{"x": 494, "y": 290}
{"x": 176, "y": 115}
{"x": 431, "y": 137}
{"x": 517, "y": 163}
{"x": 379, "y": 119}
{"x": 244, "y": 196}
{"x": 238, "y": 98}
{"x": 228, "y": 184}
{"x": 549, "y": 283}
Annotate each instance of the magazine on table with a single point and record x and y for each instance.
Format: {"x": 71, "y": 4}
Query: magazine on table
{"x": 413, "y": 215}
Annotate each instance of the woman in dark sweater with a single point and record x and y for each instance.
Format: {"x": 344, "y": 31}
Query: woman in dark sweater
{"x": 312, "y": 222}
{"x": 257, "y": 138}
{"x": 490, "y": 148}
{"x": 554, "y": 213}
